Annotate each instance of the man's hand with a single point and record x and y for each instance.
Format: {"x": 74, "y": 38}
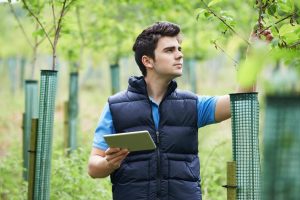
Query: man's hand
{"x": 257, "y": 35}
{"x": 115, "y": 156}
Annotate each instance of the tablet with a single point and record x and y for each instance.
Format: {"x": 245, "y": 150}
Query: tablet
{"x": 133, "y": 141}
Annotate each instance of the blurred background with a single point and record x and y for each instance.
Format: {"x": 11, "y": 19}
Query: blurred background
{"x": 94, "y": 38}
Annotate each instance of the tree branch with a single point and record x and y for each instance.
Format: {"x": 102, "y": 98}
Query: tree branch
{"x": 218, "y": 47}
{"x": 39, "y": 42}
{"x": 68, "y": 6}
{"x": 294, "y": 44}
{"x": 260, "y": 17}
{"x": 38, "y": 21}
{"x": 81, "y": 36}
{"x": 57, "y": 33}
{"x": 276, "y": 23}
{"x": 224, "y": 22}
{"x": 20, "y": 25}
{"x": 57, "y": 30}
{"x": 80, "y": 26}
{"x": 53, "y": 13}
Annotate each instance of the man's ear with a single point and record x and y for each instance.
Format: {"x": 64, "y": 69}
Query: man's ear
{"x": 147, "y": 61}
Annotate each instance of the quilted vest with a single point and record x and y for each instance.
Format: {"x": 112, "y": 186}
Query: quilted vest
{"x": 170, "y": 172}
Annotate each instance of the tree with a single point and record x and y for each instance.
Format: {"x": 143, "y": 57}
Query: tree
{"x": 33, "y": 9}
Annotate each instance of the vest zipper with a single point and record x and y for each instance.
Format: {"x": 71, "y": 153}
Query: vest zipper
{"x": 157, "y": 137}
{"x": 158, "y": 178}
{"x": 158, "y": 166}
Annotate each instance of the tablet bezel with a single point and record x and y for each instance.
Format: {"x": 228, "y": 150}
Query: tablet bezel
{"x": 133, "y": 141}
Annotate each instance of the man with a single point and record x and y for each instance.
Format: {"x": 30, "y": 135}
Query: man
{"x": 171, "y": 116}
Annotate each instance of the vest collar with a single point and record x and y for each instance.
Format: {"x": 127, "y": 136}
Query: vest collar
{"x": 138, "y": 84}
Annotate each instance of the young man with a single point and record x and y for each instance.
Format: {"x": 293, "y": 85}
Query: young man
{"x": 171, "y": 116}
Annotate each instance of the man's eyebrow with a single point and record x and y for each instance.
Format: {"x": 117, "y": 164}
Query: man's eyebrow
{"x": 171, "y": 47}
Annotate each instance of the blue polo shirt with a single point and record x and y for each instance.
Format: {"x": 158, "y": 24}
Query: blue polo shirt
{"x": 206, "y": 115}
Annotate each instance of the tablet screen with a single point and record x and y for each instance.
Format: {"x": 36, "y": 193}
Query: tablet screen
{"x": 133, "y": 141}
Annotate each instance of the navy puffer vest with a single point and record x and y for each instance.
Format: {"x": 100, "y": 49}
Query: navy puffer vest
{"x": 172, "y": 170}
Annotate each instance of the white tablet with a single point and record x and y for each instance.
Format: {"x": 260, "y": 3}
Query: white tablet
{"x": 133, "y": 141}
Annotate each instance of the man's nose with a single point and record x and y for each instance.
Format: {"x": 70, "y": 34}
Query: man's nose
{"x": 179, "y": 54}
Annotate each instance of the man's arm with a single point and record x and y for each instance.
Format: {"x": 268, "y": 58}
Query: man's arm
{"x": 103, "y": 163}
{"x": 222, "y": 111}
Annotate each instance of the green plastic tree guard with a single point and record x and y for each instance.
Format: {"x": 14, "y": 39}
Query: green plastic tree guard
{"x": 31, "y": 111}
{"x": 73, "y": 111}
{"x": 22, "y": 71}
{"x": 115, "y": 78}
{"x": 245, "y": 141}
{"x": 48, "y": 84}
{"x": 193, "y": 75}
{"x": 281, "y": 148}
{"x": 66, "y": 126}
{"x": 190, "y": 74}
{"x": 12, "y": 70}
{"x": 1, "y": 66}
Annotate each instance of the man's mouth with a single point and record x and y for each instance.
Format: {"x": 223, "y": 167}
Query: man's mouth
{"x": 178, "y": 64}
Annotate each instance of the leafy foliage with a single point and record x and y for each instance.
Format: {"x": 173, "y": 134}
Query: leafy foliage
{"x": 69, "y": 178}
{"x": 282, "y": 17}
{"x": 11, "y": 184}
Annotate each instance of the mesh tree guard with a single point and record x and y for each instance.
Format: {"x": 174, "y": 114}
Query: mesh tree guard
{"x": 12, "y": 70}
{"x": 115, "y": 78}
{"x": 31, "y": 111}
{"x": 193, "y": 75}
{"x": 190, "y": 74}
{"x": 1, "y": 66}
{"x": 281, "y": 148}
{"x": 73, "y": 111}
{"x": 44, "y": 136}
{"x": 245, "y": 122}
{"x": 22, "y": 71}
{"x": 66, "y": 126}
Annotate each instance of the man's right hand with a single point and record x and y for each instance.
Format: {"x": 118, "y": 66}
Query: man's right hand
{"x": 115, "y": 156}
{"x": 103, "y": 163}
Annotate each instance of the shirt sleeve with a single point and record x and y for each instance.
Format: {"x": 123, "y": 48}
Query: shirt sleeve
{"x": 105, "y": 126}
{"x": 206, "y": 110}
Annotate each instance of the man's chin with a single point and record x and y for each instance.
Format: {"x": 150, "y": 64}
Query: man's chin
{"x": 178, "y": 75}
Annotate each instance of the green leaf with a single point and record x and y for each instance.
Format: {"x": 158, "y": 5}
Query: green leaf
{"x": 272, "y": 9}
{"x": 285, "y": 7}
{"x": 252, "y": 66}
{"x": 207, "y": 14}
{"x": 214, "y": 2}
{"x": 287, "y": 29}
{"x": 200, "y": 12}
{"x": 39, "y": 32}
{"x": 248, "y": 72}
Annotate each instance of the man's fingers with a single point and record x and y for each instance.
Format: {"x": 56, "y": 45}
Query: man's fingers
{"x": 115, "y": 162}
{"x": 110, "y": 150}
{"x": 114, "y": 154}
{"x": 268, "y": 34}
{"x": 118, "y": 159}
{"x": 257, "y": 35}
{"x": 269, "y": 37}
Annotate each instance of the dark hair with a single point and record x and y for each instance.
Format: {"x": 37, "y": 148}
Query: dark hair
{"x": 146, "y": 41}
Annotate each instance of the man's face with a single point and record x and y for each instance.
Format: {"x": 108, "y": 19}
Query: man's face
{"x": 168, "y": 58}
